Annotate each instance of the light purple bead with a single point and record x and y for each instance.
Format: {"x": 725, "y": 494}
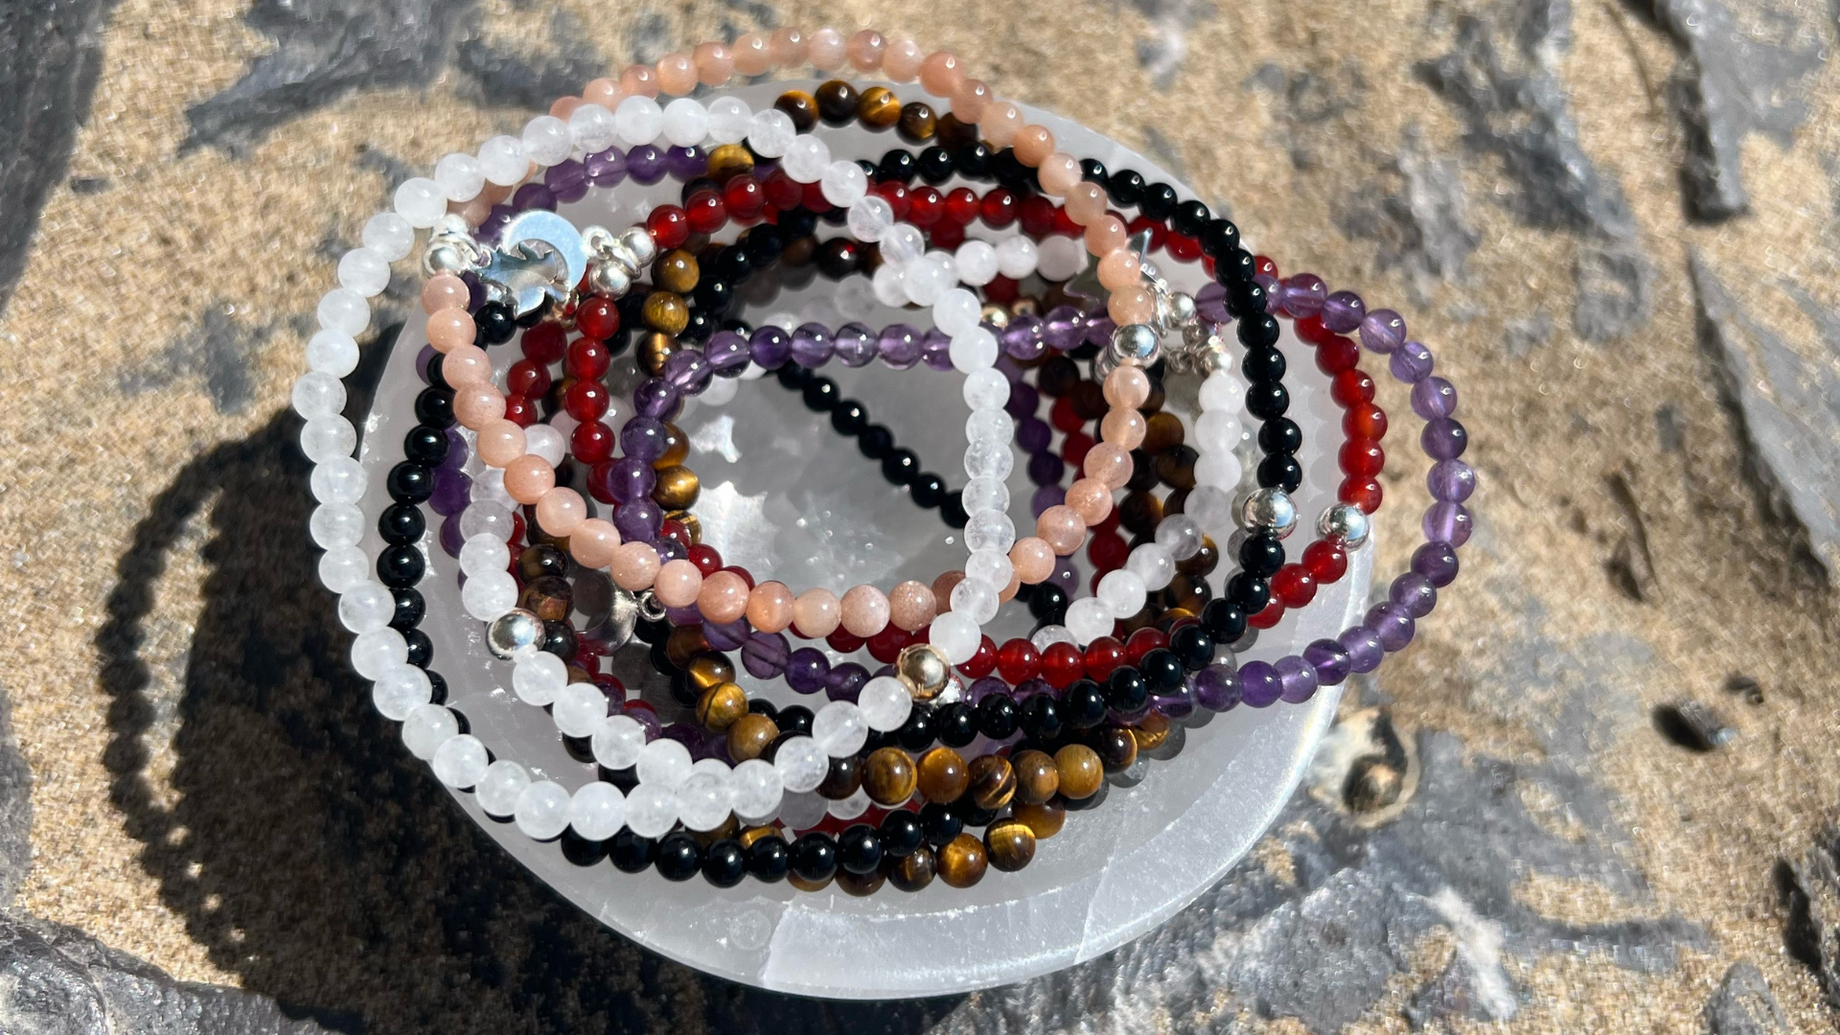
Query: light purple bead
{"x": 456, "y": 450}
{"x": 1303, "y": 296}
{"x": 811, "y": 345}
{"x": 451, "y": 538}
{"x": 855, "y": 345}
{"x": 1064, "y": 328}
{"x": 984, "y": 687}
{"x": 630, "y": 478}
{"x": 729, "y": 636}
{"x": 534, "y": 196}
{"x": 685, "y": 734}
{"x": 1030, "y": 687}
{"x": 606, "y": 168}
{"x": 807, "y": 670}
{"x": 845, "y": 682}
{"x": 1216, "y": 688}
{"x": 640, "y": 519}
{"x": 1447, "y": 522}
{"x": 1343, "y": 311}
{"x": 1099, "y": 328}
{"x": 1436, "y": 561}
{"x": 648, "y": 719}
{"x": 686, "y": 162}
{"x": 1033, "y": 434}
{"x": 669, "y": 550}
{"x": 900, "y": 346}
{"x": 1178, "y": 705}
{"x": 1022, "y": 339}
{"x": 1451, "y": 481}
{"x": 764, "y": 655}
{"x": 643, "y": 439}
{"x": 645, "y": 164}
{"x": 1211, "y": 302}
{"x": 1274, "y": 293}
{"x": 452, "y": 491}
{"x": 936, "y": 349}
{"x": 688, "y": 371}
{"x": 1383, "y": 331}
{"x": 1259, "y": 685}
{"x": 1434, "y": 397}
{"x": 1007, "y": 366}
{"x": 475, "y": 291}
{"x": 421, "y": 362}
{"x": 1297, "y": 677}
{"x": 1363, "y": 647}
{"x": 1066, "y": 573}
{"x": 657, "y": 398}
{"x": 1444, "y": 439}
{"x": 1391, "y": 625}
{"x": 1046, "y": 468}
{"x": 1329, "y": 659}
{"x": 1413, "y": 592}
{"x": 1023, "y": 401}
{"x": 727, "y": 352}
{"x": 687, "y": 615}
{"x": 568, "y": 181}
{"x": 1412, "y": 363}
{"x": 770, "y": 347}
{"x": 1045, "y": 497}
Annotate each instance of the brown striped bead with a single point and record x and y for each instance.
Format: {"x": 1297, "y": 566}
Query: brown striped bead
{"x": 749, "y": 735}
{"x": 943, "y": 775}
{"x": 963, "y": 861}
{"x": 843, "y": 779}
{"x": 677, "y": 488}
{"x": 1011, "y": 845}
{"x": 1116, "y": 747}
{"x": 993, "y": 781}
{"x": 836, "y": 101}
{"x": 1044, "y": 820}
{"x": 878, "y": 108}
{"x": 1036, "y": 778}
{"x": 860, "y": 885}
{"x": 1080, "y": 769}
{"x": 914, "y": 872}
{"x": 801, "y": 106}
{"x": 888, "y": 776}
{"x": 666, "y": 311}
{"x": 676, "y": 271}
{"x": 720, "y": 706}
{"x": 917, "y": 124}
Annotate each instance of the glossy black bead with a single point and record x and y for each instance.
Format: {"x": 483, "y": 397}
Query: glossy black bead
{"x": 1267, "y": 399}
{"x": 1192, "y": 646}
{"x": 1261, "y": 555}
{"x": 838, "y": 257}
{"x": 630, "y": 852}
{"x": 435, "y": 407}
{"x": 1263, "y": 364}
{"x": 793, "y": 224}
{"x": 971, "y": 815}
{"x": 700, "y": 325}
{"x": 1250, "y": 592}
{"x": 898, "y": 164}
{"x": 679, "y": 857}
{"x": 649, "y": 632}
{"x": 1235, "y": 267}
{"x": 410, "y": 609}
{"x": 1143, "y": 472}
{"x": 973, "y": 162}
{"x": 1224, "y": 620}
{"x": 535, "y": 316}
{"x": 935, "y": 165}
{"x": 724, "y": 863}
{"x": 1162, "y": 670}
{"x": 952, "y": 510}
{"x": 849, "y": 417}
{"x": 730, "y": 264}
{"x": 928, "y": 489}
{"x": 401, "y": 524}
{"x": 713, "y": 295}
{"x": 1280, "y": 435}
{"x": 421, "y": 650}
{"x": 437, "y": 694}
{"x": 1040, "y": 717}
{"x": 1092, "y": 171}
{"x": 410, "y": 483}
{"x": 955, "y": 725}
{"x": 435, "y": 371}
{"x": 495, "y": 322}
{"x": 814, "y": 857}
{"x": 939, "y": 824}
{"x": 1280, "y": 471}
{"x": 1126, "y": 690}
{"x": 875, "y": 441}
{"x": 1048, "y": 603}
{"x": 900, "y": 834}
{"x": 400, "y": 566}
{"x": 1010, "y": 173}
{"x": 559, "y": 639}
{"x": 859, "y": 851}
{"x": 1246, "y": 296}
{"x": 426, "y": 445}
{"x": 768, "y": 860}
{"x": 1190, "y": 218}
{"x": 1125, "y": 187}
{"x": 1083, "y": 705}
{"x": 763, "y": 244}
{"x": 580, "y": 851}
{"x": 792, "y": 375}
{"x": 916, "y": 734}
{"x": 1159, "y": 201}
{"x": 877, "y": 740}
{"x": 820, "y": 394}
{"x": 794, "y": 718}
{"x": 901, "y": 466}
{"x": 1219, "y": 237}
{"x": 762, "y": 706}
{"x": 1258, "y": 330}
{"x": 996, "y": 716}
{"x": 867, "y": 167}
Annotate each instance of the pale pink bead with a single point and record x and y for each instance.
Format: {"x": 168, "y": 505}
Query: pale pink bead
{"x": 478, "y": 404}
{"x": 1109, "y": 463}
{"x": 1106, "y": 235}
{"x": 1001, "y": 122}
{"x": 943, "y": 586}
{"x": 941, "y": 73}
{"x": 634, "y": 566}
{"x": 1033, "y": 145}
{"x": 639, "y": 81}
{"x": 789, "y": 47}
{"x": 827, "y": 51}
{"x": 816, "y": 613}
{"x": 451, "y": 327}
{"x": 1062, "y": 528}
{"x": 444, "y": 291}
{"x": 528, "y": 477}
{"x": 901, "y": 60}
{"x": 723, "y": 598}
{"x": 500, "y": 442}
{"x": 466, "y": 365}
{"x": 676, "y": 74}
{"x": 1084, "y": 202}
{"x": 561, "y": 511}
{"x": 1008, "y": 593}
{"x": 594, "y": 542}
{"x": 970, "y": 100}
{"x": 474, "y": 211}
{"x": 1130, "y": 304}
{"x": 1124, "y": 427}
{"x": 678, "y": 583}
{"x": 769, "y": 608}
{"x": 1090, "y": 499}
{"x": 1060, "y": 173}
{"x": 865, "y": 611}
{"x": 1119, "y": 269}
{"x": 1127, "y": 387}
{"x": 866, "y": 48}
{"x": 563, "y": 107}
{"x": 911, "y": 606}
{"x": 603, "y": 91}
{"x": 714, "y": 64}
{"x": 753, "y": 53}
{"x": 1032, "y": 558}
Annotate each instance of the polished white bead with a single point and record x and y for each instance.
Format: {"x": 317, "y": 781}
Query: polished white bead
{"x": 1180, "y": 534}
{"x": 597, "y": 810}
{"x": 885, "y": 703}
{"x": 343, "y": 309}
{"x": 703, "y": 801}
{"x": 844, "y": 184}
{"x": 986, "y": 389}
{"x": 982, "y": 494}
{"x": 664, "y": 762}
{"x": 373, "y": 652}
{"x": 427, "y": 728}
{"x": 956, "y": 636}
{"x": 336, "y": 524}
{"x": 870, "y": 218}
{"x": 1218, "y": 469}
{"x": 988, "y": 424}
{"x": 1153, "y": 565}
{"x": 460, "y": 761}
{"x": 489, "y": 594}
{"x": 333, "y": 353}
{"x": 503, "y": 161}
{"x": 1088, "y": 619}
{"x": 976, "y": 599}
{"x": 756, "y": 789}
{"x": 338, "y": 480}
{"x": 389, "y": 235}
{"x": 840, "y": 729}
{"x": 802, "y": 811}
{"x": 487, "y": 517}
{"x": 901, "y": 243}
{"x": 543, "y": 440}
{"x": 1122, "y": 591}
{"x": 925, "y": 279}
{"x": 1049, "y": 635}
{"x": 638, "y": 120}
{"x": 489, "y": 487}
{"x": 499, "y": 788}
{"x": 711, "y": 765}
{"x": 974, "y": 350}
{"x": 542, "y": 810}
{"x": 618, "y": 741}
{"x": 421, "y": 201}
{"x": 802, "y": 764}
{"x": 343, "y": 567}
{"x": 317, "y": 394}
{"x": 1016, "y": 257}
{"x": 852, "y": 806}
{"x": 686, "y": 122}
{"x": 547, "y": 140}
{"x": 977, "y": 263}
{"x": 538, "y": 677}
{"x": 651, "y": 810}
{"x": 730, "y": 119}
{"x": 483, "y": 553}
{"x": 399, "y": 690}
{"x": 1224, "y": 392}
{"x": 721, "y": 391}
{"x": 579, "y": 710}
{"x": 367, "y": 606}
{"x": 1217, "y": 429}
{"x": 806, "y": 159}
{"x": 990, "y": 530}
{"x": 1060, "y": 258}
{"x": 323, "y": 438}
{"x": 1210, "y": 506}
{"x": 772, "y": 133}
{"x": 989, "y": 460}
{"x": 886, "y": 283}
{"x": 991, "y": 567}
{"x": 957, "y": 312}
{"x": 364, "y": 271}
{"x": 460, "y": 176}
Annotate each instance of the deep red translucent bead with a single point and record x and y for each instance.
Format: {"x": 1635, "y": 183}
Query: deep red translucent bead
{"x": 706, "y": 559}
{"x": 1350, "y": 387}
{"x": 744, "y": 574}
{"x": 1103, "y": 656}
{"x": 586, "y": 400}
{"x": 962, "y": 205}
{"x": 998, "y": 208}
{"x": 1364, "y": 420}
{"x": 705, "y": 212}
{"x": 886, "y": 646}
{"x": 925, "y": 206}
{"x": 811, "y": 195}
{"x": 517, "y": 536}
{"x": 1064, "y": 224}
{"x": 1109, "y": 523}
{"x": 587, "y": 359}
{"x": 1337, "y": 354}
{"x": 521, "y": 411}
{"x": 1061, "y": 664}
{"x": 1360, "y": 492}
{"x": 1182, "y": 248}
{"x": 1107, "y": 551}
{"x": 597, "y": 318}
{"x": 1326, "y": 561}
{"x": 600, "y": 481}
{"x": 783, "y": 191}
{"x": 1262, "y": 266}
{"x": 1018, "y": 661}
{"x": 1001, "y": 289}
{"x": 947, "y": 234}
{"x": 1063, "y": 417}
{"x": 1158, "y": 232}
{"x": 543, "y": 343}
{"x": 895, "y": 193}
{"x": 676, "y": 532}
{"x": 1142, "y": 642}
{"x": 669, "y": 226}
{"x": 1037, "y": 215}
{"x": 1075, "y": 447}
{"x": 527, "y": 377}
{"x": 1293, "y": 586}
{"x": 1361, "y": 457}
{"x": 984, "y": 662}
{"x": 591, "y": 442}
{"x": 745, "y": 197}
{"x": 1312, "y": 330}
{"x": 843, "y": 641}
{"x": 1267, "y": 618}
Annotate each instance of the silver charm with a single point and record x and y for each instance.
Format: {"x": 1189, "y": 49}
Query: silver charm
{"x": 1346, "y": 522}
{"x": 1086, "y": 284}
{"x": 542, "y": 256}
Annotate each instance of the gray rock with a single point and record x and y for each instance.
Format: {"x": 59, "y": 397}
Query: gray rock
{"x": 1744, "y": 1004}
{"x": 504, "y": 77}
{"x": 15, "y": 808}
{"x": 56, "y": 980}
{"x": 1161, "y": 55}
{"x": 1812, "y": 887}
{"x": 1789, "y": 404}
{"x": 1306, "y": 99}
{"x": 1417, "y": 213}
{"x": 217, "y": 353}
{"x": 50, "y": 54}
{"x": 1611, "y": 281}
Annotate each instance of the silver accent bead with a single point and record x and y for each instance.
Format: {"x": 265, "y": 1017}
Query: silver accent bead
{"x": 444, "y": 257}
{"x": 639, "y": 242}
{"x": 1135, "y": 343}
{"x": 610, "y": 278}
{"x": 1269, "y": 510}
{"x": 513, "y": 632}
{"x": 1213, "y": 356}
{"x": 1182, "y": 309}
{"x": 1346, "y": 522}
